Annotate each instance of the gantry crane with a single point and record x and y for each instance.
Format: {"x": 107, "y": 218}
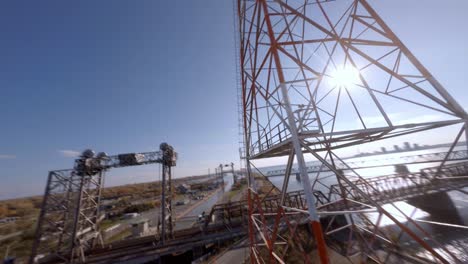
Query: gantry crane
{"x": 68, "y": 224}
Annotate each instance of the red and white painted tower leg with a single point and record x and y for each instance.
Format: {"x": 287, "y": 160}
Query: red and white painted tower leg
{"x": 317, "y": 228}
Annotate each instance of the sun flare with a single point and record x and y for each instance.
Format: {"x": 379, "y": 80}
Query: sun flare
{"x": 344, "y": 76}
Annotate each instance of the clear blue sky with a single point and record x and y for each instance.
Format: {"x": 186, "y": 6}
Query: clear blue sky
{"x": 123, "y": 76}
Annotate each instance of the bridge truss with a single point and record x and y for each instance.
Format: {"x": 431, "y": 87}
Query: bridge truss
{"x": 68, "y": 224}
{"x": 318, "y": 78}
{"x": 436, "y": 157}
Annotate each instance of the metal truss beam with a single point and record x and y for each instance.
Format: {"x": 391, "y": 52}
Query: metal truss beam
{"x": 292, "y": 55}
{"x": 68, "y": 225}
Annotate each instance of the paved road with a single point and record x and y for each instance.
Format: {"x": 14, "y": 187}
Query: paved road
{"x": 194, "y": 208}
{"x": 235, "y": 255}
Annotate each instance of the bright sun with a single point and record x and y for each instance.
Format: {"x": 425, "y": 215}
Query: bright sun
{"x": 344, "y": 76}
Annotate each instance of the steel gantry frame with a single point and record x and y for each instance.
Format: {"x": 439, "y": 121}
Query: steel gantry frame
{"x": 319, "y": 77}
{"x": 68, "y": 224}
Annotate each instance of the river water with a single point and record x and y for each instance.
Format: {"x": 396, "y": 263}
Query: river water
{"x": 454, "y": 238}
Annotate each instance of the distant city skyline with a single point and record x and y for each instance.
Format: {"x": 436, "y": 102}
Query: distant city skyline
{"x": 120, "y": 77}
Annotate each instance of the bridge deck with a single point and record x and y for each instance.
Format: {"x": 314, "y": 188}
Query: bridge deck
{"x": 147, "y": 249}
{"x": 457, "y": 155}
{"x": 383, "y": 189}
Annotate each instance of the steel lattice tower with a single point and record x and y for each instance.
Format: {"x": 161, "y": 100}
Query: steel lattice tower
{"x": 68, "y": 226}
{"x": 318, "y": 78}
